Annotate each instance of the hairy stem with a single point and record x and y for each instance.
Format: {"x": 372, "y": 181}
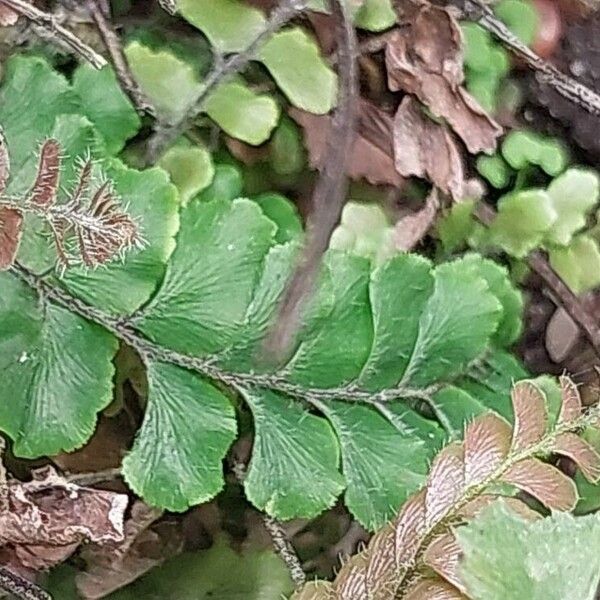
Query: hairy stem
{"x": 165, "y": 134}
{"x": 21, "y": 588}
{"x": 281, "y": 543}
{"x": 206, "y": 366}
{"x": 56, "y": 31}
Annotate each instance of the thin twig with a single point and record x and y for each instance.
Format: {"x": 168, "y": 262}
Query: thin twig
{"x": 275, "y": 529}
{"x": 330, "y": 190}
{"x": 284, "y": 549}
{"x": 477, "y": 10}
{"x": 20, "y": 587}
{"x": 117, "y": 56}
{"x": 57, "y": 32}
{"x": 168, "y": 6}
{"x": 165, "y": 134}
{"x": 564, "y": 295}
{"x": 4, "y": 506}
{"x": 87, "y": 479}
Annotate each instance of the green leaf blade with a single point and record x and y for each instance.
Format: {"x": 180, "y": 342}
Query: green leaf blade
{"x": 242, "y": 113}
{"x": 293, "y": 472}
{"x": 295, "y": 62}
{"x": 507, "y": 558}
{"x": 381, "y": 464}
{"x": 56, "y": 370}
{"x": 230, "y": 25}
{"x": 106, "y": 106}
{"x": 176, "y": 460}
{"x": 201, "y": 303}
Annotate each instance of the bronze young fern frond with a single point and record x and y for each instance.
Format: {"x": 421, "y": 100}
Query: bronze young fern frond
{"x": 416, "y": 556}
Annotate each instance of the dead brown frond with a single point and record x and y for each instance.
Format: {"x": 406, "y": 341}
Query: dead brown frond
{"x": 90, "y": 228}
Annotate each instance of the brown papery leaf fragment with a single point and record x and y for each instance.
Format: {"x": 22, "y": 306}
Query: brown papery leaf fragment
{"x": 372, "y": 153}
{"x": 45, "y": 188}
{"x": 487, "y": 444}
{"x": 8, "y": 17}
{"x": 581, "y": 453}
{"x": 432, "y": 589}
{"x": 426, "y": 149}
{"x": 411, "y": 229}
{"x": 11, "y": 229}
{"x": 424, "y": 58}
{"x": 544, "y": 482}
{"x": 114, "y": 566}
{"x": 530, "y": 415}
{"x": 49, "y": 517}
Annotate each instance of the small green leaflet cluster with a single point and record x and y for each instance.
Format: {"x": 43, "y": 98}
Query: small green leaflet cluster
{"x": 521, "y": 153}
{"x": 365, "y": 230}
{"x": 553, "y": 219}
{"x": 333, "y": 419}
{"x": 291, "y": 56}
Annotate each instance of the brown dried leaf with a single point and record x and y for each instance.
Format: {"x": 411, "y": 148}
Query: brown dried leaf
{"x": 11, "y": 229}
{"x": 112, "y": 567}
{"x": 562, "y": 335}
{"x": 8, "y": 17}
{"x": 544, "y": 482}
{"x": 445, "y": 484}
{"x": 411, "y": 229}
{"x": 571, "y": 401}
{"x": 45, "y": 188}
{"x": 531, "y": 416}
{"x": 427, "y": 149}
{"x": 424, "y": 58}
{"x": 432, "y": 589}
{"x": 372, "y": 152}
{"x": 443, "y": 556}
{"x": 49, "y": 517}
{"x": 580, "y": 452}
{"x": 487, "y": 444}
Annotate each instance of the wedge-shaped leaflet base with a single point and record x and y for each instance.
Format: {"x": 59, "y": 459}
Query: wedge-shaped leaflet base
{"x": 176, "y": 460}
{"x": 56, "y": 371}
{"x": 457, "y": 490}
